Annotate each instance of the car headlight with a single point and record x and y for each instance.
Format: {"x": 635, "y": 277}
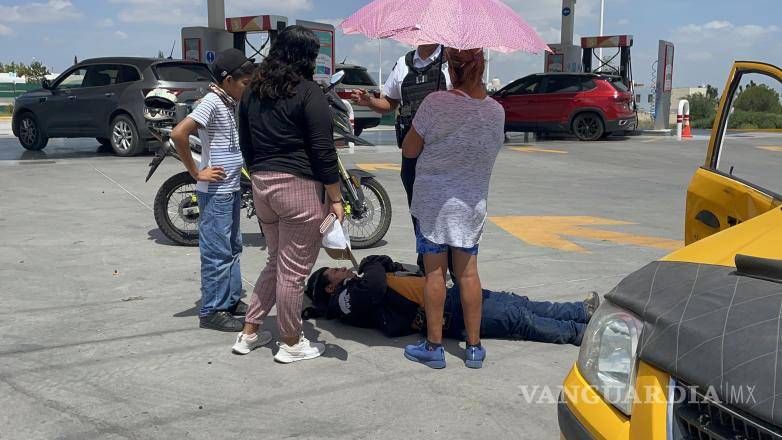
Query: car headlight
{"x": 607, "y": 359}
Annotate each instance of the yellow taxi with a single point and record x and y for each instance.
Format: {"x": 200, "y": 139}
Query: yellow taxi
{"x": 690, "y": 346}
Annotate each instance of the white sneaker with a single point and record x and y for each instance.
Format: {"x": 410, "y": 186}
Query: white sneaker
{"x": 302, "y": 351}
{"x": 243, "y": 345}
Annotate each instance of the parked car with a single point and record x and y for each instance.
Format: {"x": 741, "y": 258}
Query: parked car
{"x": 356, "y": 77}
{"x": 104, "y": 98}
{"x": 589, "y": 106}
{"x": 688, "y": 347}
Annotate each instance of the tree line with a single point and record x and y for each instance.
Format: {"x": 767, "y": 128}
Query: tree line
{"x": 756, "y": 106}
{"x": 34, "y": 73}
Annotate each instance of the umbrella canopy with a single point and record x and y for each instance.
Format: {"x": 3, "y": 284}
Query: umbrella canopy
{"x": 460, "y": 24}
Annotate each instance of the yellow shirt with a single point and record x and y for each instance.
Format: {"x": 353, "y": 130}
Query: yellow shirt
{"x": 411, "y": 287}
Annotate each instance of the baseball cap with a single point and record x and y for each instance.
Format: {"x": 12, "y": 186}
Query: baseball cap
{"x": 229, "y": 61}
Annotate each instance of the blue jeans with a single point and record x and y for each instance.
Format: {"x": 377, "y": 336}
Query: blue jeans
{"x": 425, "y": 247}
{"x": 220, "y": 242}
{"x": 509, "y": 316}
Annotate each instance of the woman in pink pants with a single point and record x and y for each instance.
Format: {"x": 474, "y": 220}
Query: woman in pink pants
{"x": 286, "y": 138}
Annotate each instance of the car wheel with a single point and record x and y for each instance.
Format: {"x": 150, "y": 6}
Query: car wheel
{"x": 124, "y": 139}
{"x": 30, "y": 135}
{"x": 588, "y": 127}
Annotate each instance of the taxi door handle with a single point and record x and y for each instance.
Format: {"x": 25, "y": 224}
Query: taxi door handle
{"x": 71, "y": 98}
{"x": 109, "y": 94}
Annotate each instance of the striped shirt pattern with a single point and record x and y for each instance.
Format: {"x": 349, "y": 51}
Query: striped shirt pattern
{"x": 220, "y": 140}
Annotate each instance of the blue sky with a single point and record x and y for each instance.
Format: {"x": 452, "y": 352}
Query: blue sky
{"x": 709, "y": 34}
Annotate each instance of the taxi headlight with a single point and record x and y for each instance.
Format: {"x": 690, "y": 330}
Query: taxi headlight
{"x": 607, "y": 359}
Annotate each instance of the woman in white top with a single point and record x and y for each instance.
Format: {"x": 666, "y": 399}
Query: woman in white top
{"x": 456, "y": 136}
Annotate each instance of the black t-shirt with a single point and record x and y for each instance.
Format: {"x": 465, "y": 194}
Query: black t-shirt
{"x": 368, "y": 302}
{"x": 291, "y": 135}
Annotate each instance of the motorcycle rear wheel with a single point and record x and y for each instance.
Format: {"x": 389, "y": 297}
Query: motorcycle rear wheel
{"x": 173, "y": 207}
{"x": 367, "y": 230}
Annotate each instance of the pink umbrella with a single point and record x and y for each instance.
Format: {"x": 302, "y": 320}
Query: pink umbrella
{"x": 460, "y": 24}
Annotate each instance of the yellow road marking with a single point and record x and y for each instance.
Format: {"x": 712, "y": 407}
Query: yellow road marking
{"x": 537, "y": 150}
{"x": 778, "y": 149}
{"x": 379, "y": 166}
{"x": 550, "y": 231}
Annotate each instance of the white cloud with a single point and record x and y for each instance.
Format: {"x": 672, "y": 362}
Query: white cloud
{"x": 706, "y": 50}
{"x": 193, "y": 12}
{"x": 105, "y": 23}
{"x": 5, "y": 31}
{"x": 169, "y": 12}
{"x": 252, "y": 7}
{"x": 623, "y": 22}
{"x": 723, "y": 32}
{"x": 121, "y": 35}
{"x": 35, "y": 12}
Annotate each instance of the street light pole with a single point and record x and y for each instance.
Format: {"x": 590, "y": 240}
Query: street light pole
{"x": 380, "y": 69}
{"x": 488, "y": 67}
{"x": 602, "y": 21}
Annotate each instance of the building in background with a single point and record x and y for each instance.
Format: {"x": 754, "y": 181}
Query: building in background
{"x": 644, "y": 97}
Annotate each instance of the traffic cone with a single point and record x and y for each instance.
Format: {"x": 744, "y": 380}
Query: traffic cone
{"x": 686, "y": 132}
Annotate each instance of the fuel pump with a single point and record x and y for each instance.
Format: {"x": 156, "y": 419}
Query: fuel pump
{"x": 607, "y": 65}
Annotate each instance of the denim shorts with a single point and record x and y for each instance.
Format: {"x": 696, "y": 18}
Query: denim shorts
{"x": 425, "y": 247}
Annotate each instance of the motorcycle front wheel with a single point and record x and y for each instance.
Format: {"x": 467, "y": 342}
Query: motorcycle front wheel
{"x": 176, "y": 209}
{"x": 370, "y": 226}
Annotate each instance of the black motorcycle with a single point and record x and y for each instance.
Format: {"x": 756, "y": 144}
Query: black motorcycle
{"x": 366, "y": 203}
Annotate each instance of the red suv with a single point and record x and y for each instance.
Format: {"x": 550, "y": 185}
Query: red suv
{"x": 588, "y": 105}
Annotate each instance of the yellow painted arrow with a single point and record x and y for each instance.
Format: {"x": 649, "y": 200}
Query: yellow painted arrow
{"x": 549, "y": 231}
{"x": 537, "y": 150}
{"x": 379, "y": 166}
{"x": 777, "y": 149}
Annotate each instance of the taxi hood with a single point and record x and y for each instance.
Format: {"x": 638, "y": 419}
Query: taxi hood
{"x": 711, "y": 326}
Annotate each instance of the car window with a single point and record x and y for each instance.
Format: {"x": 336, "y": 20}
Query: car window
{"x": 588, "y": 83}
{"x": 563, "y": 84}
{"x": 356, "y": 77}
{"x": 752, "y": 146}
{"x": 526, "y": 86}
{"x": 619, "y": 85}
{"x": 183, "y": 72}
{"x": 101, "y": 75}
{"x": 127, "y": 74}
{"x": 74, "y": 79}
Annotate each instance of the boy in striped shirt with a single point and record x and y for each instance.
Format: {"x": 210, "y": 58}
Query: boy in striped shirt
{"x": 218, "y": 189}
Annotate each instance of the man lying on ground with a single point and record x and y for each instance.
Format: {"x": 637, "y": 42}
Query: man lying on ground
{"x": 382, "y": 296}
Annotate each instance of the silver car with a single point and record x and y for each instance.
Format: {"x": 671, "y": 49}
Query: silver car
{"x": 103, "y": 98}
{"x": 357, "y": 77}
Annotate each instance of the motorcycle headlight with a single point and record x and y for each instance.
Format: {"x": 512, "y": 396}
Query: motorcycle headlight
{"x": 607, "y": 359}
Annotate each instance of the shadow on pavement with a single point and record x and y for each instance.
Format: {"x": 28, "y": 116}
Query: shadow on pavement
{"x": 157, "y": 236}
{"x": 58, "y": 149}
{"x": 255, "y": 239}
{"x": 374, "y": 338}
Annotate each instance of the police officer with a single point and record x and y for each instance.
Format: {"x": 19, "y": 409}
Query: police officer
{"x": 415, "y": 75}
{"x": 413, "y": 78}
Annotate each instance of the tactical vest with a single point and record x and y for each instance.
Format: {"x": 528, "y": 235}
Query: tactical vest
{"x": 416, "y": 86}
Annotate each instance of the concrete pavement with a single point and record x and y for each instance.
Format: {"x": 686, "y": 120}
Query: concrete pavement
{"x": 99, "y": 335}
